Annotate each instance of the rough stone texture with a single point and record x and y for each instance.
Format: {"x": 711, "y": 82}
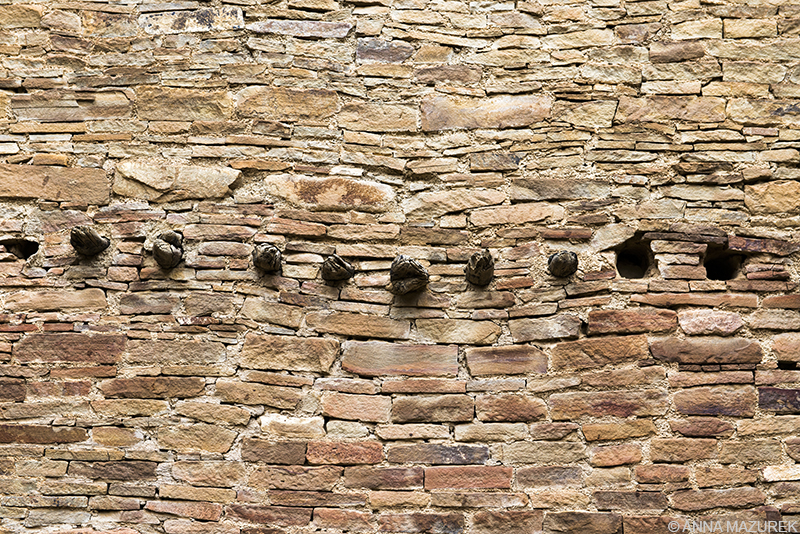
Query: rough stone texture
{"x": 736, "y": 401}
{"x": 657, "y": 142}
{"x": 286, "y": 104}
{"x": 631, "y": 321}
{"x": 591, "y": 353}
{"x": 375, "y": 358}
{"x": 61, "y": 184}
{"x": 43, "y": 301}
{"x": 338, "y": 194}
{"x": 445, "y": 113}
{"x": 213, "y": 19}
{"x": 286, "y": 352}
{"x": 707, "y": 351}
{"x": 81, "y": 348}
{"x": 567, "y": 406}
{"x": 511, "y": 360}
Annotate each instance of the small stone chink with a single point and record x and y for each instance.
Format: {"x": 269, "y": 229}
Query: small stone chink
{"x": 480, "y": 268}
{"x": 168, "y": 249}
{"x": 406, "y": 275}
{"x": 563, "y": 264}
{"x": 87, "y": 241}
{"x": 334, "y": 269}
{"x": 267, "y": 258}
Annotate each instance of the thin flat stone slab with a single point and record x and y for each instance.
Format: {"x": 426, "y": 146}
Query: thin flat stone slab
{"x": 445, "y": 113}
{"x": 302, "y": 28}
{"x": 708, "y": 350}
{"x": 60, "y": 184}
{"x": 376, "y": 358}
{"x": 197, "y": 20}
{"x": 334, "y": 193}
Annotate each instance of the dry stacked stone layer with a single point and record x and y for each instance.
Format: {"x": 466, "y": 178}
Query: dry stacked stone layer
{"x": 656, "y": 140}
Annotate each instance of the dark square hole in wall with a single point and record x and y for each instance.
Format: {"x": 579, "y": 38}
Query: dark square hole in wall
{"x": 634, "y": 258}
{"x": 722, "y": 264}
{"x": 787, "y": 366}
{"x": 21, "y": 248}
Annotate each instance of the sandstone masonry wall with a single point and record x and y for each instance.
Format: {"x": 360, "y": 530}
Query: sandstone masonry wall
{"x": 657, "y": 140}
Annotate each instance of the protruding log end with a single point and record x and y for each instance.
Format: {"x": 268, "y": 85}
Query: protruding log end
{"x": 406, "y": 275}
{"x": 563, "y": 264}
{"x": 334, "y": 269}
{"x": 168, "y": 249}
{"x": 480, "y": 268}
{"x": 87, "y": 241}
{"x": 267, "y": 258}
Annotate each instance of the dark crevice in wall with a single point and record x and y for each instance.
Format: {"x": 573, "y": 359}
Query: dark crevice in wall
{"x": 634, "y": 258}
{"x": 722, "y": 264}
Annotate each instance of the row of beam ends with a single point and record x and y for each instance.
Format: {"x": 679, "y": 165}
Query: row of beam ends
{"x": 406, "y": 275}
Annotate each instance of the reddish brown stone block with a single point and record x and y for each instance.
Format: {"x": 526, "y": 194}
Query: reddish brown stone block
{"x": 549, "y": 476}
{"x": 568, "y": 406}
{"x": 443, "y": 408}
{"x": 370, "y": 408}
{"x": 787, "y": 347}
{"x": 16, "y": 433}
{"x": 750, "y": 452}
{"x": 383, "y": 478}
{"x": 659, "y": 474}
{"x": 682, "y": 449}
{"x": 711, "y": 350}
{"x": 584, "y": 522}
{"x": 701, "y": 427}
{"x": 365, "y": 452}
{"x": 736, "y": 401}
{"x": 317, "y": 498}
{"x": 770, "y": 246}
{"x": 613, "y": 455}
{"x": 296, "y": 477}
{"x": 238, "y": 392}
{"x": 779, "y": 400}
{"x": 598, "y": 352}
{"x": 124, "y": 470}
{"x": 631, "y": 321}
{"x": 507, "y": 522}
{"x": 708, "y": 476}
{"x": 153, "y": 387}
{"x": 509, "y": 408}
{"x": 359, "y": 325}
{"x": 468, "y": 476}
{"x": 203, "y": 511}
{"x": 613, "y": 431}
{"x": 695, "y": 500}
{"x": 630, "y": 500}
{"x": 78, "y": 184}
{"x": 422, "y": 522}
{"x": 283, "y": 453}
{"x": 508, "y": 360}
{"x": 270, "y": 515}
{"x": 12, "y": 390}
{"x": 434, "y": 453}
{"x": 653, "y": 524}
{"x": 70, "y": 347}
{"x": 344, "y": 520}
{"x": 376, "y": 358}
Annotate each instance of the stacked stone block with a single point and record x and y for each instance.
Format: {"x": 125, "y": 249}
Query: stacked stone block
{"x": 655, "y": 387}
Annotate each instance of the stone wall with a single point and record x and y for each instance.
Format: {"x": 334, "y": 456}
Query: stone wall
{"x": 657, "y": 140}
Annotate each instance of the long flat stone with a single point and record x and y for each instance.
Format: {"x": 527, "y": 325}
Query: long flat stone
{"x": 60, "y": 184}
{"x": 376, "y": 358}
{"x": 198, "y": 20}
{"x": 302, "y": 28}
{"x": 288, "y": 352}
{"x": 446, "y": 113}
